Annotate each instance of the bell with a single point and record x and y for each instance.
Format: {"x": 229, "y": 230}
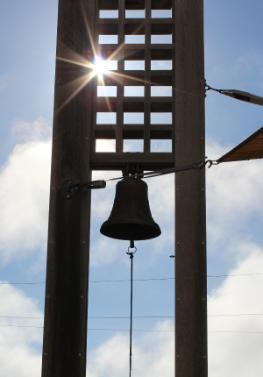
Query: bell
{"x": 131, "y": 217}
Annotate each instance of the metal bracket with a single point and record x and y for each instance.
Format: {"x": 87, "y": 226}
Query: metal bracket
{"x": 133, "y": 169}
{"x": 69, "y": 188}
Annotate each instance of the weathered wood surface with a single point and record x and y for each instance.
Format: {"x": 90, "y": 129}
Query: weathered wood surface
{"x": 65, "y": 326}
{"x": 191, "y": 290}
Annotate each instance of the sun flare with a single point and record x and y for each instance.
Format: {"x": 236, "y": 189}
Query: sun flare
{"x": 100, "y": 67}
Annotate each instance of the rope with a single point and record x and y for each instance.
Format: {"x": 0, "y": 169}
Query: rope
{"x": 131, "y": 251}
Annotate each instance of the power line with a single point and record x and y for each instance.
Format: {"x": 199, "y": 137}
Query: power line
{"x": 22, "y": 326}
{"x": 172, "y": 316}
{"x": 237, "y": 315}
{"x": 19, "y": 317}
{"x": 220, "y": 276}
{"x": 245, "y": 332}
{"x": 236, "y": 332}
{"x": 90, "y": 329}
{"x": 22, "y": 283}
{"x": 105, "y": 317}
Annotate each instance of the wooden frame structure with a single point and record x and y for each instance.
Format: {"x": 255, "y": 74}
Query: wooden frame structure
{"x": 159, "y": 48}
{"x": 135, "y": 116}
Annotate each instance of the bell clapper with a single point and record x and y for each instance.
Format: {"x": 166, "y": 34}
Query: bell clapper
{"x": 131, "y": 251}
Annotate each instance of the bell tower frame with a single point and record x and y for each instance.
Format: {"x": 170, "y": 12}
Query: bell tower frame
{"x": 171, "y": 55}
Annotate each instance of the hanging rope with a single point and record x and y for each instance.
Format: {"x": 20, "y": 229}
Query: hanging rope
{"x": 131, "y": 251}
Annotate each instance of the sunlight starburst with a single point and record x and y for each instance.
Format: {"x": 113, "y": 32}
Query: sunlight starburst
{"x": 100, "y": 67}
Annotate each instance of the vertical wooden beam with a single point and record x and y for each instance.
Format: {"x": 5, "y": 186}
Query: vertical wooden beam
{"x": 147, "y": 78}
{"x": 191, "y": 290}
{"x": 65, "y": 327}
{"x": 120, "y": 87}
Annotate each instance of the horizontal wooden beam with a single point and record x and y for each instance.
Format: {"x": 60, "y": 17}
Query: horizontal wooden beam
{"x": 133, "y": 132}
{"x": 115, "y": 161}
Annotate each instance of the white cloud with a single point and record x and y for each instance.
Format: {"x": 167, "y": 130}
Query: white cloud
{"x": 152, "y": 355}
{"x": 24, "y": 200}
{"x": 105, "y": 251}
{"x": 235, "y": 190}
{"x": 237, "y": 351}
{"x": 234, "y": 198}
{"x": 31, "y": 131}
{"x": 18, "y": 355}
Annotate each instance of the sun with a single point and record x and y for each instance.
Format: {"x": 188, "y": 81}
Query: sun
{"x": 100, "y": 67}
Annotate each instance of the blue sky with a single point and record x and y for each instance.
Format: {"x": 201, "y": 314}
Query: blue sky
{"x": 234, "y": 56}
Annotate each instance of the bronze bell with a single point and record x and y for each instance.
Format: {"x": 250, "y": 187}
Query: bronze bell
{"x": 131, "y": 217}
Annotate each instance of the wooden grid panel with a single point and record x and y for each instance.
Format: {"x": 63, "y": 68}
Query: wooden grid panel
{"x": 138, "y": 106}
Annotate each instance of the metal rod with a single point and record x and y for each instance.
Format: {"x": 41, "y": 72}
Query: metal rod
{"x": 131, "y": 316}
{"x": 196, "y": 165}
{"x": 131, "y": 253}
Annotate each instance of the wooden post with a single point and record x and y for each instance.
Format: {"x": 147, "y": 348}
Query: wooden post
{"x": 65, "y": 327}
{"x": 191, "y": 290}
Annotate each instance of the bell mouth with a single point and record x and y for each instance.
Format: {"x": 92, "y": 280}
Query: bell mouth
{"x": 130, "y": 232}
